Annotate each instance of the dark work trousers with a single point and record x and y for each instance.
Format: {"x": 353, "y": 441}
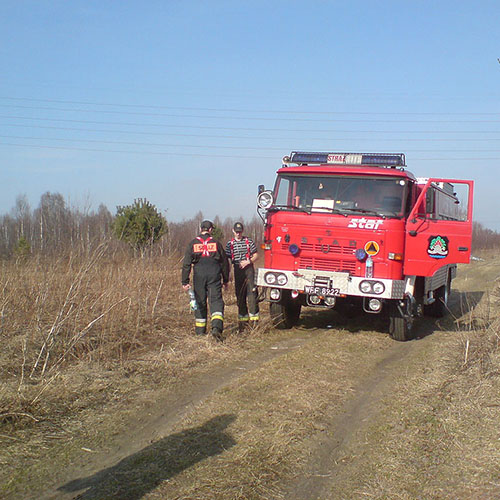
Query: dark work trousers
{"x": 208, "y": 286}
{"x": 246, "y": 293}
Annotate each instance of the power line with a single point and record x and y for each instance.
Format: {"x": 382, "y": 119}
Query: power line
{"x": 250, "y": 129}
{"x": 252, "y": 118}
{"x": 138, "y": 152}
{"x": 218, "y": 155}
{"x": 211, "y": 146}
{"x": 241, "y": 137}
{"x": 240, "y": 110}
{"x": 129, "y": 143}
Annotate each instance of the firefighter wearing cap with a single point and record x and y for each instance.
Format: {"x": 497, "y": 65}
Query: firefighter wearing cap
{"x": 243, "y": 253}
{"x": 210, "y": 271}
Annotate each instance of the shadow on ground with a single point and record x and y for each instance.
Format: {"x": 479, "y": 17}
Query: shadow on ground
{"x": 142, "y": 472}
{"x": 460, "y": 304}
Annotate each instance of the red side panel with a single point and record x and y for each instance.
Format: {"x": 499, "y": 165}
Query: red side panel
{"x": 431, "y": 242}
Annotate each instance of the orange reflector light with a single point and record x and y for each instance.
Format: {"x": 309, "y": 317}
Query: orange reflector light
{"x": 395, "y": 256}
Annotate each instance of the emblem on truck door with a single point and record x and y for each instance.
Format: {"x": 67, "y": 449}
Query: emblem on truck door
{"x": 438, "y": 247}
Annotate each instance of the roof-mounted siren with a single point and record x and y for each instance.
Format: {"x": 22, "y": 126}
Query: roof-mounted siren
{"x": 392, "y": 160}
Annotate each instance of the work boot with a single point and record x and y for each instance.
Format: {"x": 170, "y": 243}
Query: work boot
{"x": 217, "y": 335}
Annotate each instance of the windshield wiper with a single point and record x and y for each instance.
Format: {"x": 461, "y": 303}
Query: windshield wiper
{"x": 289, "y": 207}
{"x": 365, "y": 211}
{"x": 331, "y": 210}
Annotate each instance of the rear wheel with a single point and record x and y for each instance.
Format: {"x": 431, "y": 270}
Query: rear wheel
{"x": 439, "y": 307}
{"x": 286, "y": 313}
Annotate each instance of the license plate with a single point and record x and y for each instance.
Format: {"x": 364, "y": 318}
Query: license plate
{"x": 322, "y": 290}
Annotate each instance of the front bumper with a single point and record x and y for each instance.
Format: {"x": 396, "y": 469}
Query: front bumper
{"x": 333, "y": 283}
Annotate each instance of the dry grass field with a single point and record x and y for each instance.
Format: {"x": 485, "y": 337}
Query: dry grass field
{"x": 106, "y": 393}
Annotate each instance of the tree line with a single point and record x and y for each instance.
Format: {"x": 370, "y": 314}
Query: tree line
{"x": 55, "y": 227}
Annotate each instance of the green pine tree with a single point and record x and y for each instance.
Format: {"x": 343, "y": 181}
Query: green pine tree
{"x": 217, "y": 233}
{"x": 22, "y": 249}
{"x": 139, "y": 224}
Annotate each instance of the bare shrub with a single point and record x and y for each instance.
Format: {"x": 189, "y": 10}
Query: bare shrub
{"x": 101, "y": 308}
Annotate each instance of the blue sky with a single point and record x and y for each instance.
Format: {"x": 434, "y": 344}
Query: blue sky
{"x": 192, "y": 104}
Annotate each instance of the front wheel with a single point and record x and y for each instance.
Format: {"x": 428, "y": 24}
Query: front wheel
{"x": 285, "y": 314}
{"x": 401, "y": 321}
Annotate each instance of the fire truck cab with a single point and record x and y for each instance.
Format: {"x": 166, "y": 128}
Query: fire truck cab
{"x": 357, "y": 231}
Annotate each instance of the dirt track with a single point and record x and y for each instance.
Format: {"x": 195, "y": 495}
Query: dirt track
{"x": 156, "y": 426}
{"x": 313, "y": 413}
{"x": 326, "y": 450}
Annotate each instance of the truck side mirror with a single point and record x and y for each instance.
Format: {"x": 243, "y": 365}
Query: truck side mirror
{"x": 261, "y": 188}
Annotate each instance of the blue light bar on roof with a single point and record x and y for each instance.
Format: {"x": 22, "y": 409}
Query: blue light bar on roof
{"x": 378, "y": 159}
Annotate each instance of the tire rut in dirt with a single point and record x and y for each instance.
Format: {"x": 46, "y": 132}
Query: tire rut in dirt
{"x": 327, "y": 453}
{"x": 174, "y": 407}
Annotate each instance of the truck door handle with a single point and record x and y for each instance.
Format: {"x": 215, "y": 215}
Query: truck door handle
{"x": 412, "y": 232}
{"x": 463, "y": 249}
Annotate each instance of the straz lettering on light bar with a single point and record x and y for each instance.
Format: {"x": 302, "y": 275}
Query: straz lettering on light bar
{"x": 335, "y": 158}
{"x": 375, "y": 159}
{"x": 364, "y": 223}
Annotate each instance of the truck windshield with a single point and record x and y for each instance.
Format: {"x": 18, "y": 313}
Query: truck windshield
{"x": 384, "y": 196}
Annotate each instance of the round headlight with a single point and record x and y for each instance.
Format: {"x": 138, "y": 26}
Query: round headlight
{"x": 330, "y": 301}
{"x": 282, "y": 279}
{"x": 314, "y": 299}
{"x": 375, "y": 305}
{"x": 270, "y": 278}
{"x": 275, "y": 294}
{"x": 378, "y": 287}
{"x": 365, "y": 287}
{"x": 265, "y": 199}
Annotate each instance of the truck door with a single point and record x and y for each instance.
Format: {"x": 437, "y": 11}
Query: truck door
{"x": 439, "y": 227}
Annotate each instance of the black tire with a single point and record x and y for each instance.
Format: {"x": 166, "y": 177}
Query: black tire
{"x": 285, "y": 314}
{"x": 439, "y": 307}
{"x": 400, "y": 327}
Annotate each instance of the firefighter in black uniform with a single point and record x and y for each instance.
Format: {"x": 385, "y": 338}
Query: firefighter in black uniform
{"x": 210, "y": 271}
{"x": 243, "y": 253}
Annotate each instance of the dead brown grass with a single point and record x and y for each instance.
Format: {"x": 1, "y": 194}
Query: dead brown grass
{"x": 83, "y": 336}
{"x": 438, "y": 436}
{"x": 110, "y": 312}
{"x": 433, "y": 432}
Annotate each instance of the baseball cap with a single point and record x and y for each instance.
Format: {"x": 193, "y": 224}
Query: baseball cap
{"x": 238, "y": 227}
{"x": 207, "y": 224}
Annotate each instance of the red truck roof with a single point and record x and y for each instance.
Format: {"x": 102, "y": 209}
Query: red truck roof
{"x": 327, "y": 169}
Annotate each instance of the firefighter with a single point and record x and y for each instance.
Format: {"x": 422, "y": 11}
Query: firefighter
{"x": 243, "y": 253}
{"x": 210, "y": 272}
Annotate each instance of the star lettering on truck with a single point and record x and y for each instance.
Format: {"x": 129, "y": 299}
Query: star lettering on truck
{"x": 364, "y": 223}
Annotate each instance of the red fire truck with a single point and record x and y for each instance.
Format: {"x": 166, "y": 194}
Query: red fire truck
{"x": 358, "y": 231}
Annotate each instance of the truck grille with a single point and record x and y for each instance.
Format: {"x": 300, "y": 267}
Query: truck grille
{"x": 322, "y": 260}
{"x": 326, "y": 248}
{"x": 339, "y": 265}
